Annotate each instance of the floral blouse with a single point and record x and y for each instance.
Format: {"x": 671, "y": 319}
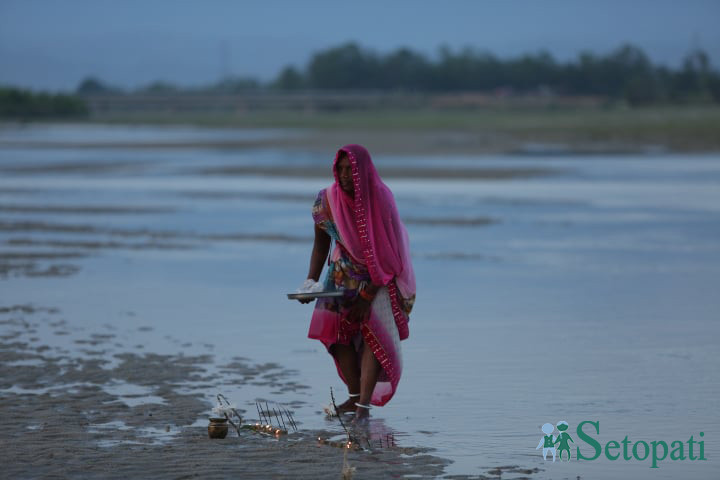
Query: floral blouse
{"x": 344, "y": 271}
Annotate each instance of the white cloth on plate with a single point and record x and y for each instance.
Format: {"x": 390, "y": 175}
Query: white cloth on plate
{"x": 310, "y": 286}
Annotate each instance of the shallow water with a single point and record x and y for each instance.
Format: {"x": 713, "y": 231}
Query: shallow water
{"x": 590, "y": 295}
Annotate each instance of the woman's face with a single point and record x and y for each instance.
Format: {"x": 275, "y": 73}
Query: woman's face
{"x": 344, "y": 173}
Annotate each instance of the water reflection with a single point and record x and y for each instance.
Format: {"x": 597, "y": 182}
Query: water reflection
{"x": 590, "y": 294}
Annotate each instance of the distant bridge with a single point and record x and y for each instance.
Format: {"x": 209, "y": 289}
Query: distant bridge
{"x": 321, "y": 101}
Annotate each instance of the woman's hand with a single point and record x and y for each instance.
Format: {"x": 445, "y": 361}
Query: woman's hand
{"x": 359, "y": 310}
{"x": 311, "y": 285}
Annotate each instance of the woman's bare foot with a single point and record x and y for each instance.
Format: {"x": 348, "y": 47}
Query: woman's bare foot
{"x": 361, "y": 413}
{"x": 347, "y": 406}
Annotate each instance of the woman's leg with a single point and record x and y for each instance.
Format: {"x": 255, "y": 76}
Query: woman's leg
{"x": 370, "y": 370}
{"x": 346, "y": 358}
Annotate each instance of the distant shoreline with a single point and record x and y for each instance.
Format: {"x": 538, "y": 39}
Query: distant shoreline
{"x": 508, "y": 130}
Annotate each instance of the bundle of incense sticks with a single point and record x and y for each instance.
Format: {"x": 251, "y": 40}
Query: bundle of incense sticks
{"x": 282, "y": 424}
{"x": 266, "y": 424}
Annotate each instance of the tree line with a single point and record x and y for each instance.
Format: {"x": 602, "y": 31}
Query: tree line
{"x": 625, "y": 73}
{"x": 25, "y": 104}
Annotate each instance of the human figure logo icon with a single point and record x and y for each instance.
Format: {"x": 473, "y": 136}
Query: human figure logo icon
{"x": 563, "y": 438}
{"x": 548, "y": 440}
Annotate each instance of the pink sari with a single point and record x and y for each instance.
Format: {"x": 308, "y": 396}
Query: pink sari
{"x": 371, "y": 232}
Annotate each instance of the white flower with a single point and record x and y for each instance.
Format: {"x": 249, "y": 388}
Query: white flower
{"x": 222, "y": 410}
{"x": 330, "y": 411}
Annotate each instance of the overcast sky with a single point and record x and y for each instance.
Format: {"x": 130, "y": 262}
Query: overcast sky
{"x": 55, "y": 44}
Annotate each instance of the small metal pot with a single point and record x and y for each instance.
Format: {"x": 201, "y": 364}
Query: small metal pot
{"x": 218, "y": 428}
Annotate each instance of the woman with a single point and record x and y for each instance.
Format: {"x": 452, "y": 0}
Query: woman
{"x": 371, "y": 262}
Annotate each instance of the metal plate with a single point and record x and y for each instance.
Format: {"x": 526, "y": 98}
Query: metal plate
{"x": 314, "y": 295}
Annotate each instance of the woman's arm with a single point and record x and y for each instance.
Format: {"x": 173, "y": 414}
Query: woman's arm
{"x": 321, "y": 247}
{"x": 360, "y": 306}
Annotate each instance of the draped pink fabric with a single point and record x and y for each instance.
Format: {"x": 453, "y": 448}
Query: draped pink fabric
{"x": 372, "y": 231}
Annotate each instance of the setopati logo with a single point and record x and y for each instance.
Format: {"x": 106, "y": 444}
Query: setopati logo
{"x": 588, "y": 436}
{"x": 548, "y": 441}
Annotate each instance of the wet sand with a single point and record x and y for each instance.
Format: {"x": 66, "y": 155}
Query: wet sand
{"x": 392, "y": 141}
{"x": 126, "y": 415}
{"x": 99, "y": 408}
{"x": 407, "y": 173}
{"x": 34, "y": 263}
{"x": 204, "y": 233}
{"x": 429, "y": 131}
{"x": 81, "y": 209}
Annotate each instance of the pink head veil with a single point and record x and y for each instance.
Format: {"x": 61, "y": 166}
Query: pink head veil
{"x": 369, "y": 224}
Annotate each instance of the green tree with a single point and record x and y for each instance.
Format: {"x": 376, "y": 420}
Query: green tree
{"x": 23, "y": 104}
{"x": 92, "y": 85}
{"x": 289, "y": 79}
{"x": 404, "y": 70}
{"x": 344, "y": 67}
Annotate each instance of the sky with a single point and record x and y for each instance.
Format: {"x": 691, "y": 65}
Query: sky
{"x": 53, "y": 45}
